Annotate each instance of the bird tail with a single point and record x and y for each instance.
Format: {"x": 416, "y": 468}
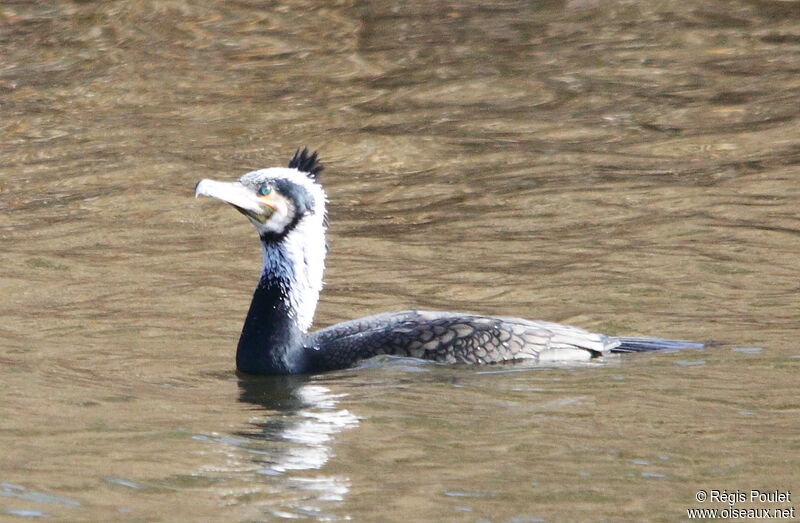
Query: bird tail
{"x": 653, "y": 344}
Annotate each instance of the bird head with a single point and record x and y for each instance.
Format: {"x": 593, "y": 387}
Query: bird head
{"x": 277, "y": 200}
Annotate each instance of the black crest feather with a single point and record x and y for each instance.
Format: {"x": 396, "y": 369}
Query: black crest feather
{"x": 307, "y": 163}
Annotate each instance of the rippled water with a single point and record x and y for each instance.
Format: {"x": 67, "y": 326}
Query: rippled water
{"x": 629, "y": 167}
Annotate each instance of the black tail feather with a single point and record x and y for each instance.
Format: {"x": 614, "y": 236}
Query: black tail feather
{"x": 652, "y": 344}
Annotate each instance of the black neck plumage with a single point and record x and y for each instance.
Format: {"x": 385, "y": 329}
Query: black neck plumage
{"x": 271, "y": 340}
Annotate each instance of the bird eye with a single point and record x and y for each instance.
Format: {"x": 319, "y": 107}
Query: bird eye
{"x": 265, "y": 189}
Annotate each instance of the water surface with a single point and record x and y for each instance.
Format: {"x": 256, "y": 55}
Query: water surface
{"x": 629, "y": 167}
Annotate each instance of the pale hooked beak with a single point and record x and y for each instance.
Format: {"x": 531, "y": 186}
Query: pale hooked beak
{"x": 242, "y": 198}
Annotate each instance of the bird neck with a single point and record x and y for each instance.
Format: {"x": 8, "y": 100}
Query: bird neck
{"x": 281, "y": 311}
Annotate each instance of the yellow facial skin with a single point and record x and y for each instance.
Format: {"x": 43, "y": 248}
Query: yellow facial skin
{"x": 268, "y": 206}
{"x": 271, "y": 203}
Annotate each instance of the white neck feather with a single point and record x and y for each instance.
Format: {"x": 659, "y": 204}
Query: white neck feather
{"x": 298, "y": 261}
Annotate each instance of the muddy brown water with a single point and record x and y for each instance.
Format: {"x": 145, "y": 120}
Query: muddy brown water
{"x": 629, "y": 167}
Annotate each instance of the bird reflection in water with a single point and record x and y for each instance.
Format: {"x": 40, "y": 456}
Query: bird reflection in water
{"x": 296, "y": 432}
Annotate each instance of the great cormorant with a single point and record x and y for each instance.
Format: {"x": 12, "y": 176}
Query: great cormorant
{"x": 287, "y": 207}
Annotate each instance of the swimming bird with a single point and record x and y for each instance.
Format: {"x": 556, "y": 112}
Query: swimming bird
{"x": 287, "y": 207}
